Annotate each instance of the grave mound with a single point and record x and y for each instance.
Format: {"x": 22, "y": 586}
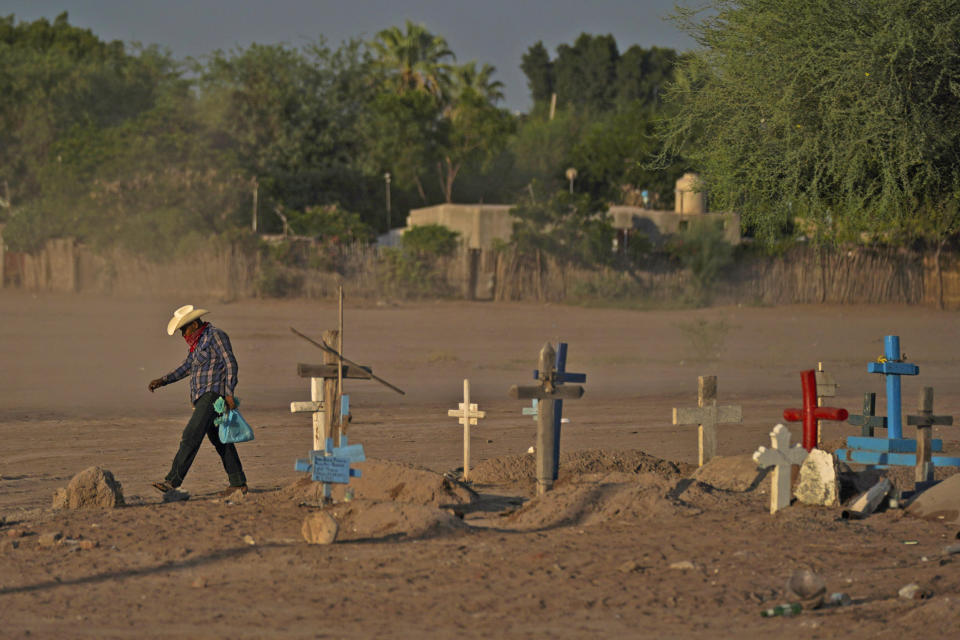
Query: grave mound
{"x": 390, "y": 481}
{"x": 731, "y": 473}
{"x": 511, "y": 469}
{"x": 595, "y": 498}
{"x": 364, "y": 519}
{"x": 93, "y": 487}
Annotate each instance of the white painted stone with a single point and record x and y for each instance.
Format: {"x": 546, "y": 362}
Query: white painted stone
{"x": 819, "y": 482}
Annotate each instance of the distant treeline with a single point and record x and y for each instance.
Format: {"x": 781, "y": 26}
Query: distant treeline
{"x": 121, "y": 145}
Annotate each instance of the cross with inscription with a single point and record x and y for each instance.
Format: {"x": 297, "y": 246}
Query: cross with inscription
{"x": 781, "y": 456}
{"x": 892, "y": 367}
{"x": 868, "y": 420}
{"x": 707, "y": 416}
{"x": 468, "y": 413}
{"x": 550, "y": 388}
{"x": 332, "y": 464}
{"x": 811, "y": 413}
{"x": 562, "y": 375}
{"x": 923, "y": 422}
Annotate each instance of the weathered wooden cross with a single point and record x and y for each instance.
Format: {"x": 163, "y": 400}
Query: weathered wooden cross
{"x": 550, "y": 388}
{"x": 923, "y": 422}
{"x": 811, "y": 413}
{"x": 892, "y": 367}
{"x": 826, "y": 388}
{"x": 707, "y": 416}
{"x": 468, "y": 413}
{"x": 781, "y": 456}
{"x": 868, "y": 420}
{"x": 332, "y": 464}
{"x": 562, "y": 376}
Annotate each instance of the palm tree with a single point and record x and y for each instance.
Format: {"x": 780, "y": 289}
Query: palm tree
{"x": 414, "y": 59}
{"x": 467, "y": 77}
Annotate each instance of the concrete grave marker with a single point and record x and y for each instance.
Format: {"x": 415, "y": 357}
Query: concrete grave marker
{"x": 810, "y": 414}
{"x": 923, "y": 422}
{"x": 469, "y": 414}
{"x": 707, "y": 416}
{"x": 551, "y": 387}
{"x": 781, "y": 456}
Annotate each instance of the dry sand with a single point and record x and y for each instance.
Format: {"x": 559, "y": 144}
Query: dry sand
{"x": 420, "y": 555}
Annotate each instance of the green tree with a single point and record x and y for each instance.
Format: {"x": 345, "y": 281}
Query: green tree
{"x": 586, "y": 72}
{"x": 842, "y": 114}
{"x": 538, "y": 68}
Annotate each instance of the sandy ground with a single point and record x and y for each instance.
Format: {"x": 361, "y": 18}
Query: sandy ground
{"x": 593, "y": 557}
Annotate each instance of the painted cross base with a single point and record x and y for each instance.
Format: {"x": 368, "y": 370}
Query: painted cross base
{"x": 781, "y": 456}
{"x": 890, "y": 445}
{"x": 880, "y": 458}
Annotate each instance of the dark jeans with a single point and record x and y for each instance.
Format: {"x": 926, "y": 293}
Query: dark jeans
{"x": 201, "y": 423}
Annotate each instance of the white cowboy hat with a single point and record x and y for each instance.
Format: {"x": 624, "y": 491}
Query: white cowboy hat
{"x": 184, "y": 316}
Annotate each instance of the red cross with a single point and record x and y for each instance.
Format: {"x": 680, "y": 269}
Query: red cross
{"x": 811, "y": 412}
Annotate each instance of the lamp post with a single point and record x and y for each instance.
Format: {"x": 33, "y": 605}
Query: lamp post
{"x": 571, "y": 176}
{"x": 386, "y": 178}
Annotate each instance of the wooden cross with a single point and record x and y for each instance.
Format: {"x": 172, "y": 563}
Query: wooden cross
{"x": 562, "y": 376}
{"x": 811, "y": 413}
{"x": 707, "y": 416}
{"x": 923, "y": 422}
{"x": 892, "y": 367}
{"x": 826, "y": 388}
{"x": 550, "y": 388}
{"x": 468, "y": 414}
{"x": 332, "y": 464}
{"x": 868, "y": 421}
{"x": 781, "y": 456}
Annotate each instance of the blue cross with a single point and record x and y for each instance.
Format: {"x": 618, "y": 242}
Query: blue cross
{"x": 332, "y": 464}
{"x": 893, "y": 368}
{"x": 561, "y": 376}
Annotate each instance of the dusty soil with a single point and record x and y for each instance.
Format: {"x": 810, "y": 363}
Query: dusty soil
{"x": 419, "y": 554}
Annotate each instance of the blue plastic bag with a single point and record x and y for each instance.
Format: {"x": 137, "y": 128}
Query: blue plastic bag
{"x": 233, "y": 428}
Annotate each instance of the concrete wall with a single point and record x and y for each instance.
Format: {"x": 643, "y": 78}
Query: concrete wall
{"x": 657, "y": 224}
{"x": 478, "y": 225}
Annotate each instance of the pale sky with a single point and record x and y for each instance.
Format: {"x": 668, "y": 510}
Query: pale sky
{"x": 497, "y": 32}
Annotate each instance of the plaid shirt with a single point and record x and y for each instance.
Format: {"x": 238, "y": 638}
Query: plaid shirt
{"x": 211, "y": 366}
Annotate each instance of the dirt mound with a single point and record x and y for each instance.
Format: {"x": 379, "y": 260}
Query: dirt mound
{"x": 598, "y": 498}
{"x": 732, "y": 473}
{"x": 510, "y": 469}
{"x": 91, "y": 488}
{"x": 360, "y": 519}
{"x": 390, "y": 481}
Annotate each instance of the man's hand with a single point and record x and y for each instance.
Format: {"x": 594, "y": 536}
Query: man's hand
{"x": 155, "y": 384}
{"x": 230, "y": 402}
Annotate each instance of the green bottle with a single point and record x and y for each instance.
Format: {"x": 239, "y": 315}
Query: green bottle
{"x": 782, "y": 610}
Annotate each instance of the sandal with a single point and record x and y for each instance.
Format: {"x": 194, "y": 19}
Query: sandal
{"x": 163, "y": 486}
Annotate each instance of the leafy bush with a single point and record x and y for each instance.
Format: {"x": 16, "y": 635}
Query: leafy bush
{"x": 431, "y": 240}
{"x": 703, "y": 249}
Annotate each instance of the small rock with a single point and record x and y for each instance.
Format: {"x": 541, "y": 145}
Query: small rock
{"x": 199, "y": 583}
{"x": 913, "y": 591}
{"x": 9, "y": 545}
{"x": 88, "y": 544}
{"x": 249, "y": 540}
{"x": 16, "y": 533}
{"x": 319, "y": 528}
{"x": 92, "y": 487}
{"x": 49, "y": 539}
{"x": 629, "y": 566}
{"x": 951, "y": 549}
{"x": 683, "y": 565}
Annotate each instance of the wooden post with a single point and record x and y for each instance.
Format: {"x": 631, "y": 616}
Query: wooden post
{"x": 331, "y": 391}
{"x": 781, "y": 456}
{"x": 341, "y": 427}
{"x": 707, "y": 416}
{"x": 924, "y": 423}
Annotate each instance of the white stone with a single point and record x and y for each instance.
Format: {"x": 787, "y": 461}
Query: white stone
{"x": 819, "y": 482}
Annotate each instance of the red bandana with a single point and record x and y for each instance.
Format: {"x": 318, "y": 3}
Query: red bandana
{"x": 194, "y": 338}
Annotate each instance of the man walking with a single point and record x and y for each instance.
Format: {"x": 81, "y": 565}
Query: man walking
{"x": 213, "y": 374}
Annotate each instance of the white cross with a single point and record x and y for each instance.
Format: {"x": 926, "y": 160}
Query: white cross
{"x": 468, "y": 414}
{"x": 317, "y": 408}
{"x": 781, "y": 456}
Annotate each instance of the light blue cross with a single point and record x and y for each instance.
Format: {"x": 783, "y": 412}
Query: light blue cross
{"x": 332, "y": 464}
{"x": 893, "y": 368}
